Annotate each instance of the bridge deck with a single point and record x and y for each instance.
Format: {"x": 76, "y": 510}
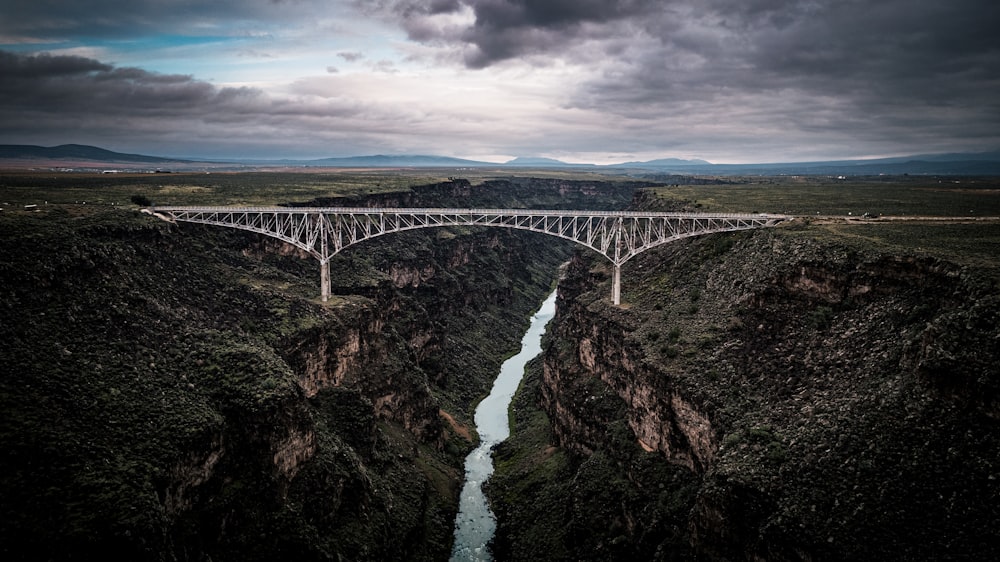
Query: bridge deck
{"x": 457, "y": 210}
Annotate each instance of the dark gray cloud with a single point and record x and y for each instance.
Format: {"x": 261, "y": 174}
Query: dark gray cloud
{"x": 505, "y": 29}
{"x": 64, "y": 86}
{"x": 636, "y": 75}
{"x": 556, "y": 14}
{"x": 18, "y": 67}
{"x": 77, "y": 99}
{"x": 794, "y": 38}
{"x": 890, "y": 52}
{"x": 880, "y": 67}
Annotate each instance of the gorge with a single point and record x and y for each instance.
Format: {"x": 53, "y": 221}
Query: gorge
{"x": 475, "y": 524}
{"x": 178, "y": 393}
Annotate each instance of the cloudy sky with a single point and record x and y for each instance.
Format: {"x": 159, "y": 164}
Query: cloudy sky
{"x": 729, "y": 81}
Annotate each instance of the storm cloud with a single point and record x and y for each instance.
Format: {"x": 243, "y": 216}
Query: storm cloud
{"x": 73, "y": 87}
{"x": 881, "y": 68}
{"x": 883, "y": 45}
{"x": 90, "y": 101}
{"x": 717, "y": 79}
{"x": 53, "y": 99}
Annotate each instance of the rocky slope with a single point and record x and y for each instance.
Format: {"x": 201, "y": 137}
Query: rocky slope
{"x": 175, "y": 392}
{"x": 502, "y": 193}
{"x": 773, "y": 395}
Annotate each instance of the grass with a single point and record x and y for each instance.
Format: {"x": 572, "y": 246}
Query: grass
{"x": 76, "y": 190}
{"x": 81, "y": 192}
{"x": 969, "y": 244}
{"x": 896, "y": 195}
{"x": 798, "y": 195}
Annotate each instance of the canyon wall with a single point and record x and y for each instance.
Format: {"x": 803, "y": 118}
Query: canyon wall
{"x": 770, "y": 395}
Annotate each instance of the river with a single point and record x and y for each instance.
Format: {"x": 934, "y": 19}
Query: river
{"x": 475, "y": 523}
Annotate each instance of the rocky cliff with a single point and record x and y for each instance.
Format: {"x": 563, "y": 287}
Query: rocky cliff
{"x": 772, "y": 395}
{"x": 501, "y": 193}
{"x": 177, "y": 392}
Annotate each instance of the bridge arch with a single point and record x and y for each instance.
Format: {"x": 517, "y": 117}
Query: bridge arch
{"x": 323, "y": 232}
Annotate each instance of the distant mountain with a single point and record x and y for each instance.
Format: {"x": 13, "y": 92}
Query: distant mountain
{"x": 538, "y": 162}
{"x": 665, "y": 162}
{"x": 73, "y": 152}
{"x": 405, "y": 161}
{"x": 981, "y": 163}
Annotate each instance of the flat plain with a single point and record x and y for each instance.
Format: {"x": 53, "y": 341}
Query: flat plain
{"x": 949, "y": 216}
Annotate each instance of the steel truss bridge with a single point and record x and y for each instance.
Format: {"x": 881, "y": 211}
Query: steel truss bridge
{"x": 324, "y": 231}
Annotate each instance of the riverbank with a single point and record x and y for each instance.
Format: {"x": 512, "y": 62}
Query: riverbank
{"x": 475, "y": 524}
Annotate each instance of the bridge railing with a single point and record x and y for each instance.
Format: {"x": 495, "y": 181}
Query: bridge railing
{"x": 454, "y": 210}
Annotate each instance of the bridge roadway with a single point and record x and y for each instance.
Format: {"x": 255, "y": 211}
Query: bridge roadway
{"x": 324, "y": 231}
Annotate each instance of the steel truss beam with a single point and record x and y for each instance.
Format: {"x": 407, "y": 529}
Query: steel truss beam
{"x": 324, "y": 231}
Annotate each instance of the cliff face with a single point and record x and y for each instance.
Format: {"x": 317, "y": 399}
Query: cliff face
{"x": 768, "y": 396}
{"x": 395, "y": 350}
{"x": 513, "y": 192}
{"x": 661, "y": 418}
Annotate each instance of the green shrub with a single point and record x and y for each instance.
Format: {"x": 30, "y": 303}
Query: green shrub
{"x": 820, "y": 318}
{"x": 141, "y": 200}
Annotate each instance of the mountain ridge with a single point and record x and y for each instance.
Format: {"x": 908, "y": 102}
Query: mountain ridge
{"x": 74, "y": 151}
{"x": 980, "y": 163}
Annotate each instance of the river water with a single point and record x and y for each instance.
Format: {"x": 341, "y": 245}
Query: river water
{"x": 475, "y": 524}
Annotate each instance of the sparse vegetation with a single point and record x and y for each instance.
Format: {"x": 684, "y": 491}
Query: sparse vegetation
{"x": 141, "y": 200}
{"x": 844, "y": 369}
{"x": 154, "y": 404}
{"x": 815, "y": 195}
{"x": 820, "y": 317}
{"x": 153, "y": 373}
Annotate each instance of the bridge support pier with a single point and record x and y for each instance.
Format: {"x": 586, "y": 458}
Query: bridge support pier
{"x": 616, "y": 286}
{"x": 324, "y": 279}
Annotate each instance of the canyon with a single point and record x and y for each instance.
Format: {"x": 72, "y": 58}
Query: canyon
{"x": 773, "y": 395}
{"x": 178, "y": 393}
